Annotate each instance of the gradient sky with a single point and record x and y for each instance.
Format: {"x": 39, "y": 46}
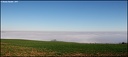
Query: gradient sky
{"x": 64, "y": 16}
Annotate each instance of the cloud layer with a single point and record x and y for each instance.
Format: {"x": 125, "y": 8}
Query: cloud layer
{"x": 80, "y": 37}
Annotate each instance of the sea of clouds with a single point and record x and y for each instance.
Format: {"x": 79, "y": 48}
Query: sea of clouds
{"x": 79, "y": 37}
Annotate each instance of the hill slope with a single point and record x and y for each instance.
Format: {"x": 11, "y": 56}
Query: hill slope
{"x": 17, "y": 47}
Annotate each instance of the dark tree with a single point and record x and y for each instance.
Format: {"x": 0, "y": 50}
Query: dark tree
{"x": 54, "y": 40}
{"x": 123, "y": 43}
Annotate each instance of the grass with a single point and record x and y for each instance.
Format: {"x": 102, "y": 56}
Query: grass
{"x": 17, "y": 47}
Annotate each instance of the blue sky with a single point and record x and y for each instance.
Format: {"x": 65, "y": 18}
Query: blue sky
{"x": 64, "y": 16}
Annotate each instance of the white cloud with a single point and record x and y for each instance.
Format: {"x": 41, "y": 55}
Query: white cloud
{"x": 81, "y": 37}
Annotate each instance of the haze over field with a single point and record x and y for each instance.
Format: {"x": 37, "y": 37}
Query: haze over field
{"x": 80, "y": 37}
{"x": 72, "y": 21}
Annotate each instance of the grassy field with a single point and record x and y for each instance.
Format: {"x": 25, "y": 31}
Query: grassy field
{"x": 17, "y": 47}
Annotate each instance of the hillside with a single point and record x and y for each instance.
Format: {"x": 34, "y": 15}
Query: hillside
{"x": 18, "y": 47}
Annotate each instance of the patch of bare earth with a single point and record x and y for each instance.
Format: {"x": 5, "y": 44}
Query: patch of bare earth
{"x": 2, "y": 43}
{"x": 9, "y": 50}
{"x": 97, "y": 54}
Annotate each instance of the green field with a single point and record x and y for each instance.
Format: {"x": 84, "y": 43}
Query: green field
{"x": 17, "y": 47}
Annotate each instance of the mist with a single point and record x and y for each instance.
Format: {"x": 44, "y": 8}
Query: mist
{"x": 79, "y": 37}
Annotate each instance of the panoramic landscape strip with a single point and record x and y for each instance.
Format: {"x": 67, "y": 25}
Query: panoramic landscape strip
{"x": 64, "y": 29}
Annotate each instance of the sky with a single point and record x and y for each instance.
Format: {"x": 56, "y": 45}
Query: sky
{"x": 64, "y": 16}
